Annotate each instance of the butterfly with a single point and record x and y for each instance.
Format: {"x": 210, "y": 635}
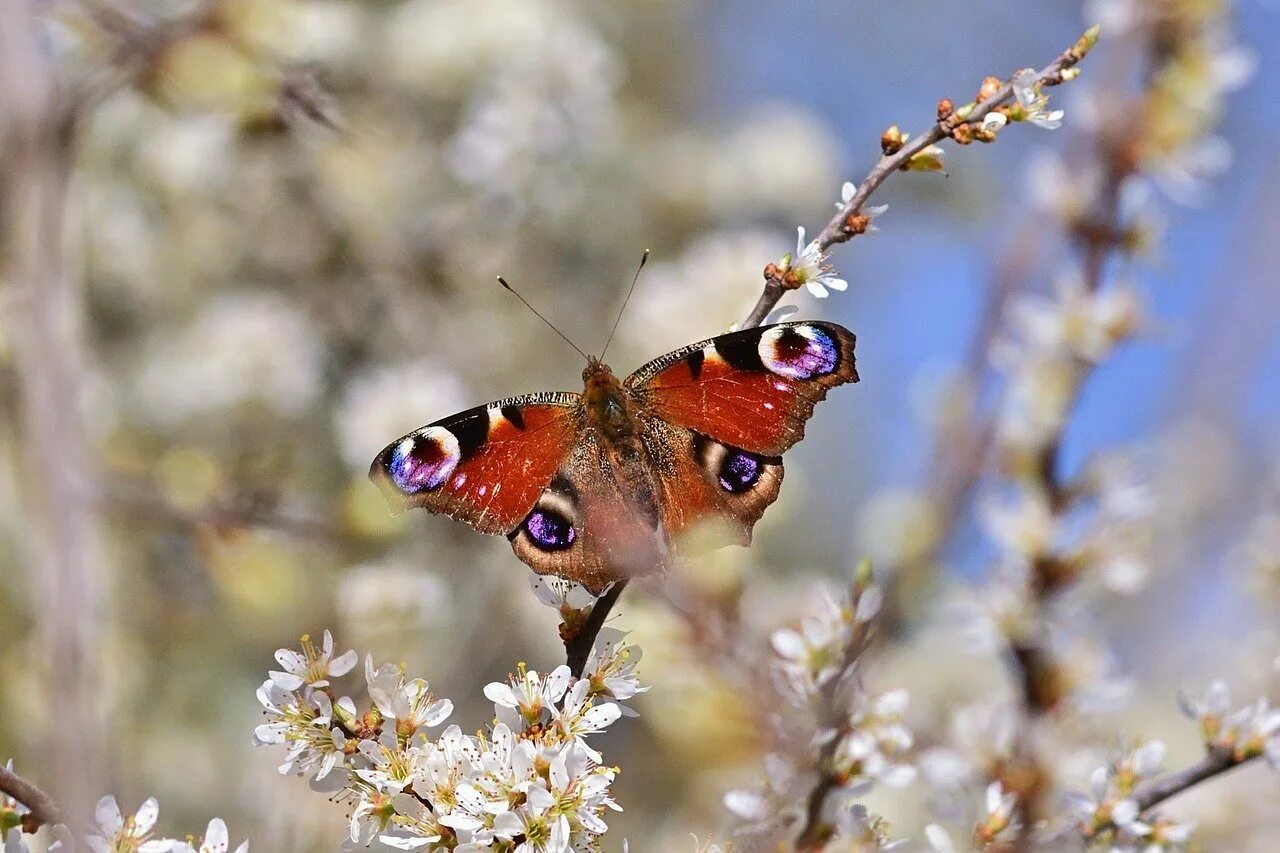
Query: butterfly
{"x": 607, "y": 484}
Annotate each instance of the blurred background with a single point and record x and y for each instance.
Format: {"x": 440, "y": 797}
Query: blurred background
{"x": 281, "y": 226}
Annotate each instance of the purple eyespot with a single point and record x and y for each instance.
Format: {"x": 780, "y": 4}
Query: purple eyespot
{"x": 424, "y": 461}
{"x": 739, "y": 471}
{"x": 799, "y": 352}
{"x": 549, "y": 530}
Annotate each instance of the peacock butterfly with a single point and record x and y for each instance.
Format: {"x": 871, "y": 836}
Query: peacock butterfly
{"x": 599, "y": 486}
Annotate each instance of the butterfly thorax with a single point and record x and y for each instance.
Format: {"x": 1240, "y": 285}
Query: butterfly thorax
{"x": 608, "y": 405}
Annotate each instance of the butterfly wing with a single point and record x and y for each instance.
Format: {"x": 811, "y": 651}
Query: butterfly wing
{"x": 711, "y": 494}
{"x": 722, "y": 412}
{"x": 485, "y": 466}
{"x": 588, "y": 526}
{"x": 752, "y": 390}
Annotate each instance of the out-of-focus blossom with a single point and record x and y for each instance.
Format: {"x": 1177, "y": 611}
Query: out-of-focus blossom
{"x": 865, "y": 743}
{"x": 380, "y": 404}
{"x": 780, "y": 158}
{"x": 239, "y": 349}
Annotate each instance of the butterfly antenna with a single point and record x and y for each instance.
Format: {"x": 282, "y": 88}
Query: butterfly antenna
{"x": 630, "y": 290}
{"x": 538, "y": 314}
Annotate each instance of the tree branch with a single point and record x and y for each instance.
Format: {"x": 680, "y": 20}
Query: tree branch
{"x": 43, "y": 810}
{"x": 1215, "y": 763}
{"x": 578, "y": 649}
{"x": 816, "y": 832}
{"x": 840, "y": 229}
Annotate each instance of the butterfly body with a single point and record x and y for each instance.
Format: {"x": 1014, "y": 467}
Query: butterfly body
{"x": 604, "y": 484}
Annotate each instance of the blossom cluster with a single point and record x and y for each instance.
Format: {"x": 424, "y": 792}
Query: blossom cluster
{"x": 1111, "y": 813}
{"x": 532, "y": 781}
{"x": 115, "y": 832}
{"x": 848, "y": 739}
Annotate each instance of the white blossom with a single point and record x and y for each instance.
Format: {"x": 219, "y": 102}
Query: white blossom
{"x": 1034, "y": 102}
{"x": 312, "y": 667}
{"x": 809, "y": 266}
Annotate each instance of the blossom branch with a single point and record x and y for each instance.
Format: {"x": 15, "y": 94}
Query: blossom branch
{"x": 578, "y": 647}
{"x": 42, "y": 808}
{"x": 1215, "y": 763}
{"x": 958, "y": 124}
{"x": 816, "y": 832}
{"x": 833, "y": 714}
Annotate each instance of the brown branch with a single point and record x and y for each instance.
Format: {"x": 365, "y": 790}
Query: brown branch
{"x": 839, "y": 228}
{"x": 1215, "y": 763}
{"x": 43, "y": 810}
{"x": 578, "y": 648}
{"x": 831, "y": 714}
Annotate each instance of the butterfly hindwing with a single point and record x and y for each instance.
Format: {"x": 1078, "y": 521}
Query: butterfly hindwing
{"x": 590, "y": 528}
{"x": 486, "y": 466}
{"x": 752, "y": 390}
{"x": 711, "y": 494}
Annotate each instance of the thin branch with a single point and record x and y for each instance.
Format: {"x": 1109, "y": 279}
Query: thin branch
{"x": 841, "y": 228}
{"x": 832, "y": 715}
{"x": 1215, "y": 763}
{"x": 43, "y": 810}
{"x": 578, "y": 648}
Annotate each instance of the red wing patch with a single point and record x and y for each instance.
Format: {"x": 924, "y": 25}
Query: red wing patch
{"x": 752, "y": 389}
{"x": 485, "y": 466}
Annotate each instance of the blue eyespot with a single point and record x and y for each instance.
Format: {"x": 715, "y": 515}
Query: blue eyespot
{"x": 799, "y": 352}
{"x": 739, "y": 471}
{"x": 549, "y": 530}
{"x": 424, "y": 461}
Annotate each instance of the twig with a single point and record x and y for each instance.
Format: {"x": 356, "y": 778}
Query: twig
{"x": 1215, "y": 763}
{"x": 816, "y": 832}
{"x": 43, "y": 810}
{"x": 839, "y": 230}
{"x": 578, "y": 649}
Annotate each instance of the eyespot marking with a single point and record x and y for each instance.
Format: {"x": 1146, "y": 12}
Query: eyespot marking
{"x": 423, "y": 462}
{"x": 739, "y": 471}
{"x": 736, "y": 471}
{"x": 549, "y": 530}
{"x": 799, "y": 352}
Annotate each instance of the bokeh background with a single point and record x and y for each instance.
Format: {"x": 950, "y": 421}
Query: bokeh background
{"x": 264, "y": 301}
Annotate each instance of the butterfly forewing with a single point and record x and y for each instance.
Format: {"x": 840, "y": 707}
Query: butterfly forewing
{"x": 485, "y": 466}
{"x": 752, "y": 390}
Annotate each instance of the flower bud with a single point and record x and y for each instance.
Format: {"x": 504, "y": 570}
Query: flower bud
{"x": 990, "y": 86}
{"x": 1086, "y": 43}
{"x": 892, "y": 140}
{"x": 945, "y": 108}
